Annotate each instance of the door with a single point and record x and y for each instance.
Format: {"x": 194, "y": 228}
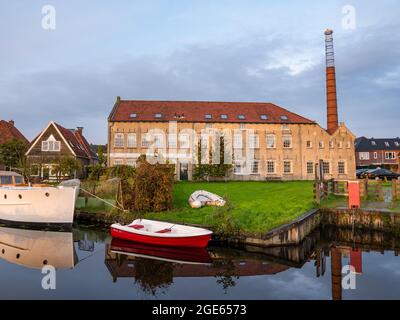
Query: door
{"x": 183, "y": 172}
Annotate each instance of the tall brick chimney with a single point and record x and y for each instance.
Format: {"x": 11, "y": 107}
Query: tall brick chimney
{"x": 331, "y": 99}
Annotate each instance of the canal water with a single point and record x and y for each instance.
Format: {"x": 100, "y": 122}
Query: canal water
{"x": 90, "y": 265}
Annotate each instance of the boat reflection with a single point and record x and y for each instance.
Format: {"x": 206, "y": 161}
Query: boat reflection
{"x": 34, "y": 248}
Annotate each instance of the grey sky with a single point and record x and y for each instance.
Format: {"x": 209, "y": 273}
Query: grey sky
{"x": 197, "y": 50}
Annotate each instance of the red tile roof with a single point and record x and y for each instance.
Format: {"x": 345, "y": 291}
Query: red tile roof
{"x": 77, "y": 142}
{"x": 8, "y": 132}
{"x": 195, "y": 111}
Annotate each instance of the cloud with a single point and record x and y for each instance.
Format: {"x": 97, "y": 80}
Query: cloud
{"x": 277, "y": 68}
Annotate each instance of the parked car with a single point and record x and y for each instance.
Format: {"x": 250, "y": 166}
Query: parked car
{"x": 359, "y": 172}
{"x": 380, "y": 174}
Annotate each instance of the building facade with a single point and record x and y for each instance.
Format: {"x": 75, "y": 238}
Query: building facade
{"x": 383, "y": 152}
{"x": 54, "y": 143}
{"x": 265, "y": 141}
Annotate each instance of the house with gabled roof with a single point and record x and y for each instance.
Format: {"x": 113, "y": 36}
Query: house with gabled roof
{"x": 54, "y": 143}
{"x": 8, "y": 132}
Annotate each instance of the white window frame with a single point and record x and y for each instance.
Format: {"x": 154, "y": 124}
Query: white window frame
{"x": 131, "y": 162}
{"x": 254, "y": 140}
{"x": 119, "y": 140}
{"x": 326, "y": 165}
{"x": 51, "y": 145}
{"x": 290, "y": 139}
{"x": 309, "y": 144}
{"x": 132, "y": 142}
{"x": 237, "y": 141}
{"x": 290, "y": 164}
{"x": 340, "y": 144}
{"x": 348, "y": 144}
{"x": 273, "y": 162}
{"x": 184, "y": 141}
{"x": 252, "y": 167}
{"x": 237, "y": 164}
{"x": 158, "y": 140}
{"x": 375, "y": 155}
{"x": 269, "y": 146}
{"x": 344, "y": 167}
{"x": 388, "y": 157}
{"x": 118, "y": 162}
{"x": 363, "y": 155}
{"x": 145, "y": 141}
{"x": 321, "y": 145}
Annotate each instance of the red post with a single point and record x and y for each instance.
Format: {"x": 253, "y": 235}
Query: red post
{"x": 354, "y": 194}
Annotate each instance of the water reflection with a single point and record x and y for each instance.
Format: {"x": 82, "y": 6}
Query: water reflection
{"x": 34, "y": 249}
{"x": 118, "y": 269}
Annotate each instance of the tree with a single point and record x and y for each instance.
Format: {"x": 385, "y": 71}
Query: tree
{"x": 101, "y": 157}
{"x": 12, "y": 153}
{"x": 67, "y": 166}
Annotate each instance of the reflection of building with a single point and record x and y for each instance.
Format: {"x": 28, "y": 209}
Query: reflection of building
{"x": 122, "y": 266}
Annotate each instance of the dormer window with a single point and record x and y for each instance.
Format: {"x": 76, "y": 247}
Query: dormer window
{"x": 284, "y": 118}
{"x": 133, "y": 115}
{"x": 241, "y": 117}
{"x": 208, "y": 116}
{"x": 224, "y": 116}
{"x": 373, "y": 143}
{"x": 397, "y": 144}
{"x": 387, "y": 144}
{"x": 264, "y": 117}
{"x": 158, "y": 115}
{"x": 51, "y": 145}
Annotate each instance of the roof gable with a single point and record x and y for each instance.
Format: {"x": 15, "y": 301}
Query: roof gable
{"x": 203, "y": 111}
{"x": 8, "y": 132}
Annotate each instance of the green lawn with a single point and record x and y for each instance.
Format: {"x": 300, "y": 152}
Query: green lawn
{"x": 258, "y": 206}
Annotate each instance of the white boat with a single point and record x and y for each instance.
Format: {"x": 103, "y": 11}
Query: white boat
{"x": 35, "y": 204}
{"x": 35, "y": 249}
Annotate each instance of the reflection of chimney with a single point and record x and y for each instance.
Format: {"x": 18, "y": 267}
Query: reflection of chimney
{"x": 11, "y": 122}
{"x": 331, "y": 99}
{"x": 336, "y": 273}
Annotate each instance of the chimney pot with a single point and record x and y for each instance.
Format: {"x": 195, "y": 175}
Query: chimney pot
{"x": 79, "y": 129}
{"x": 11, "y": 122}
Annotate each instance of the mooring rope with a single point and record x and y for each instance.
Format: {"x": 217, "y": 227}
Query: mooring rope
{"x": 105, "y": 201}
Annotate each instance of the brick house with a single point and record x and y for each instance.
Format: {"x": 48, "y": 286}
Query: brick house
{"x": 8, "y": 132}
{"x": 55, "y": 142}
{"x": 383, "y": 152}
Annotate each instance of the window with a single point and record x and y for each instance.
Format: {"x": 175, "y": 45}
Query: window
{"x": 373, "y": 143}
{"x": 331, "y": 145}
{"x": 285, "y": 127}
{"x": 172, "y": 140}
{"x": 390, "y": 155}
{"x": 145, "y": 140}
{"x": 254, "y": 167}
{"x": 242, "y": 126}
{"x": 237, "y": 141}
{"x": 284, "y": 118}
{"x": 237, "y": 168}
{"x": 348, "y": 144}
{"x": 375, "y": 155}
{"x": 131, "y": 162}
{"x": 309, "y": 144}
{"x": 387, "y": 144}
{"x": 326, "y": 167}
{"x": 271, "y": 167}
{"x": 341, "y": 167}
{"x": 158, "y": 115}
{"x": 340, "y": 144}
{"x": 310, "y": 167}
{"x": 241, "y": 117}
{"x": 287, "y": 167}
{"x": 263, "y": 117}
{"x": 287, "y": 141}
{"x": 158, "y": 141}
{"x": 133, "y": 115}
{"x": 118, "y": 162}
{"x": 270, "y": 141}
{"x": 51, "y": 144}
{"x": 209, "y": 125}
{"x": 6, "y": 180}
{"x": 321, "y": 144}
{"x": 184, "y": 141}
{"x": 364, "y": 155}
{"x": 131, "y": 140}
{"x": 254, "y": 141}
{"x": 224, "y": 116}
{"x": 207, "y": 116}
{"x": 119, "y": 140}
{"x": 204, "y": 142}
{"x": 397, "y": 144}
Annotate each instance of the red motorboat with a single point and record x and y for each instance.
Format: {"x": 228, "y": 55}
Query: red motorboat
{"x": 182, "y": 255}
{"x": 162, "y": 233}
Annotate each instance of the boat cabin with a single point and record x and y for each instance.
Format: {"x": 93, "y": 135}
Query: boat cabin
{"x": 10, "y": 178}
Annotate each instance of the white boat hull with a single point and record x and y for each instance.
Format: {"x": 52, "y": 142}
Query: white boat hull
{"x": 38, "y": 205}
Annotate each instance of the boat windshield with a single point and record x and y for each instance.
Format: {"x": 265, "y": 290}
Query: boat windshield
{"x": 18, "y": 180}
{"x": 6, "y": 180}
